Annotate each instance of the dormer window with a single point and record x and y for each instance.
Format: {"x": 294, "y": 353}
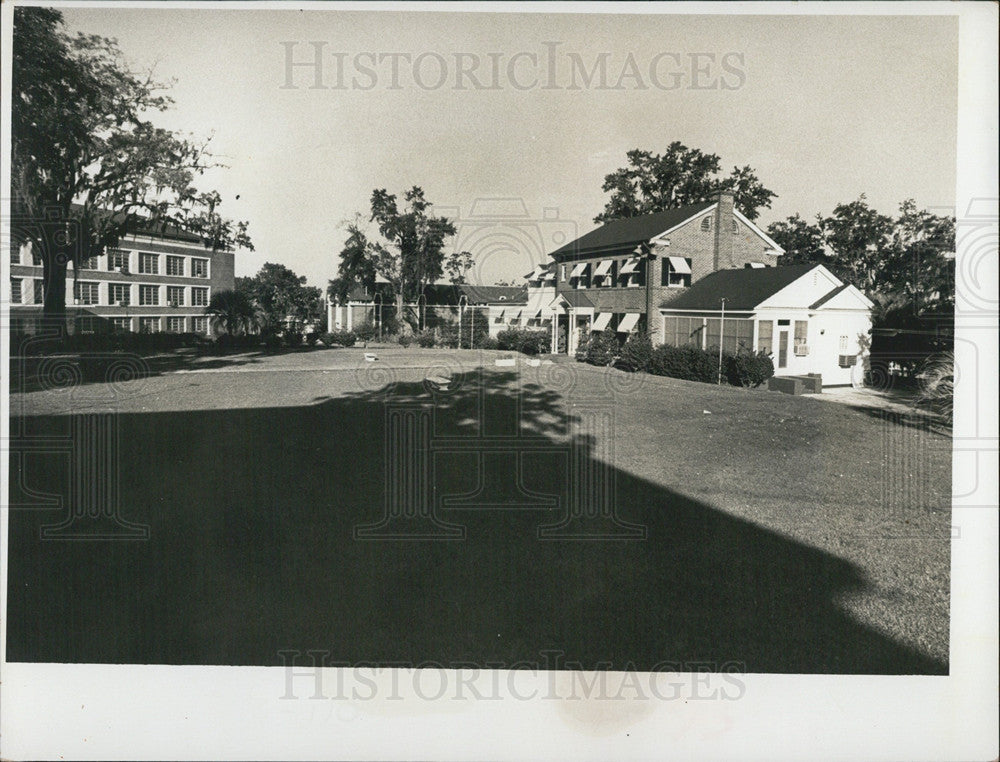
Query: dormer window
{"x": 706, "y": 224}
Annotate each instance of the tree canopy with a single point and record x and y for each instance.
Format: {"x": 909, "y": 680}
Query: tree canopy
{"x": 902, "y": 262}
{"x": 680, "y": 176}
{"x": 87, "y": 164}
{"x": 281, "y": 299}
{"x": 405, "y": 251}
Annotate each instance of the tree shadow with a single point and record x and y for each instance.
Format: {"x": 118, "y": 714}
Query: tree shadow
{"x": 257, "y": 544}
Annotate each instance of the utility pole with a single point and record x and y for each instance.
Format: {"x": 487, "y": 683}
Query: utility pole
{"x": 722, "y": 334}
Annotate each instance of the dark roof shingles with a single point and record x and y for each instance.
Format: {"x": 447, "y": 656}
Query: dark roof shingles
{"x": 631, "y": 230}
{"x": 743, "y": 289}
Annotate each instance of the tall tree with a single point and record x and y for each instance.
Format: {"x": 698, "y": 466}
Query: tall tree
{"x": 405, "y": 251}
{"x": 678, "y": 177}
{"x": 282, "y": 298}
{"x": 87, "y": 164}
{"x": 802, "y": 240}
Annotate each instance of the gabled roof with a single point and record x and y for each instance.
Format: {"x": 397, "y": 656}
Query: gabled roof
{"x": 574, "y": 298}
{"x": 632, "y": 230}
{"x": 828, "y": 296}
{"x": 743, "y": 288}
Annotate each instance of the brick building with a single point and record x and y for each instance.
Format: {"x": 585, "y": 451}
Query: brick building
{"x": 617, "y": 276}
{"x": 151, "y": 282}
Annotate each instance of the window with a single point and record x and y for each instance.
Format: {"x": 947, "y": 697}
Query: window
{"x": 119, "y": 293}
{"x": 562, "y": 273}
{"x": 682, "y": 331}
{"x": 121, "y": 324}
{"x": 117, "y": 260}
{"x": 737, "y": 332}
{"x": 15, "y": 255}
{"x": 39, "y": 293}
{"x": 199, "y": 324}
{"x": 149, "y": 324}
{"x": 801, "y": 333}
{"x": 87, "y": 324}
{"x": 15, "y": 290}
{"x": 199, "y": 268}
{"x": 765, "y": 336}
{"x": 706, "y": 223}
{"x": 736, "y": 228}
{"x": 175, "y": 265}
{"x": 175, "y": 325}
{"x": 86, "y": 293}
{"x": 175, "y": 296}
{"x": 199, "y": 297}
{"x": 149, "y": 264}
{"x": 86, "y": 264}
{"x": 149, "y": 295}
{"x": 36, "y": 259}
{"x": 676, "y": 272}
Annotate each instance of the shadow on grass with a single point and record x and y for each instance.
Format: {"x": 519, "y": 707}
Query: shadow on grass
{"x": 41, "y": 372}
{"x": 253, "y": 518}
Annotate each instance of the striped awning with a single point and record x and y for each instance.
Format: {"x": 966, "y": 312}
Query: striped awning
{"x": 680, "y": 265}
{"x": 579, "y": 270}
{"x": 602, "y": 321}
{"x": 630, "y": 266}
{"x": 628, "y": 322}
{"x": 603, "y": 268}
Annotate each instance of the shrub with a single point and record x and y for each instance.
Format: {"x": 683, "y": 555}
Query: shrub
{"x": 523, "y": 340}
{"x": 688, "y": 363}
{"x": 311, "y": 338}
{"x": 747, "y": 368}
{"x": 272, "y": 341}
{"x": 602, "y": 349}
{"x": 937, "y": 384}
{"x": 293, "y": 339}
{"x": 366, "y": 332}
{"x": 405, "y": 339}
{"x": 343, "y": 338}
{"x": 581, "y": 346}
{"x": 489, "y": 342}
{"x": 636, "y": 353}
{"x": 426, "y": 339}
{"x": 447, "y": 335}
{"x": 326, "y": 339}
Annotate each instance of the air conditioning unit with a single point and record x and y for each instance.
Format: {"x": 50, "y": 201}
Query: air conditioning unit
{"x": 847, "y": 361}
{"x": 801, "y": 350}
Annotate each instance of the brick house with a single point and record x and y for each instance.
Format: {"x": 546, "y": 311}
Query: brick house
{"x": 154, "y": 280}
{"x": 617, "y": 276}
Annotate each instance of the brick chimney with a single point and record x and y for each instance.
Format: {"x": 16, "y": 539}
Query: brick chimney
{"x": 723, "y": 254}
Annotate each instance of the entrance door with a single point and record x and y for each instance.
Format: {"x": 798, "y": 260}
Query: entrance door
{"x": 783, "y": 348}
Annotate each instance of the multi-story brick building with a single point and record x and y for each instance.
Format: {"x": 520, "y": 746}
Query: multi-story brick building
{"x": 151, "y": 282}
{"x": 618, "y": 276}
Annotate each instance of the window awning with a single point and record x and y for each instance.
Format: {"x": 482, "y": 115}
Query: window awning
{"x": 628, "y": 322}
{"x": 757, "y": 265}
{"x": 680, "y": 265}
{"x": 549, "y": 275}
{"x": 514, "y": 313}
{"x": 603, "y": 268}
{"x": 538, "y": 273}
{"x": 579, "y": 270}
{"x": 630, "y": 266}
{"x": 601, "y": 323}
{"x": 500, "y": 315}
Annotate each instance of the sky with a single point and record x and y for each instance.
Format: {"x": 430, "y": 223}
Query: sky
{"x": 509, "y": 126}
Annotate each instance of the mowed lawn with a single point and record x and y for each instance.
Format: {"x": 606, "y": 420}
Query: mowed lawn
{"x": 782, "y": 534}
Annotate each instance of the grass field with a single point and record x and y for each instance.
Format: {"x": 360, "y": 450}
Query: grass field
{"x": 786, "y": 534}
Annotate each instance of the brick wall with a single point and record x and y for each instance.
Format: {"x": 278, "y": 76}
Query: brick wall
{"x": 720, "y": 247}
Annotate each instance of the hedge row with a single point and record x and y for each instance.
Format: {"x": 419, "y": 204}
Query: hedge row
{"x": 637, "y": 355}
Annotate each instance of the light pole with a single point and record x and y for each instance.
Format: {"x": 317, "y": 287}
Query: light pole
{"x": 378, "y": 315}
{"x": 422, "y": 310}
{"x": 462, "y": 301}
{"x": 722, "y": 334}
